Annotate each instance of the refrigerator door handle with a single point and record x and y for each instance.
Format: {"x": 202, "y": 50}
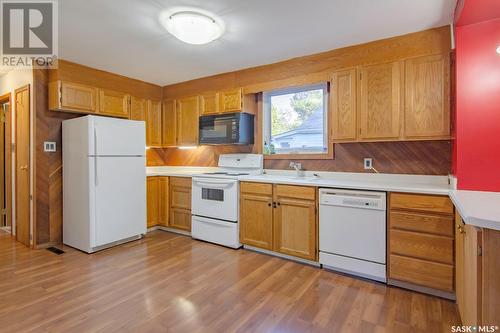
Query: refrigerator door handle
{"x": 95, "y": 157}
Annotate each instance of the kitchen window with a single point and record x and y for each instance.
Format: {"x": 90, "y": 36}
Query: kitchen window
{"x": 296, "y": 122}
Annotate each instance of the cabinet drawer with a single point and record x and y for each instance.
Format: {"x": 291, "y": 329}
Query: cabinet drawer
{"x": 432, "y": 224}
{"x": 423, "y": 246}
{"x": 425, "y": 203}
{"x": 421, "y": 272}
{"x": 180, "y": 181}
{"x": 297, "y": 192}
{"x": 256, "y": 188}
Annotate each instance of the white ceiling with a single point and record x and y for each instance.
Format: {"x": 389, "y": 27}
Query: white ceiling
{"x": 125, "y": 37}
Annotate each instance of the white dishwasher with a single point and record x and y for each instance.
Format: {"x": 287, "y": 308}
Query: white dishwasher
{"x": 352, "y": 232}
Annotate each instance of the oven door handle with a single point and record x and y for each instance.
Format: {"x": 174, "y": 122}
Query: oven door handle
{"x": 221, "y": 182}
{"x": 213, "y": 185}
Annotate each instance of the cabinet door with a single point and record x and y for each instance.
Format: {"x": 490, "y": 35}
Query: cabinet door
{"x": 427, "y": 101}
{"x": 113, "y": 103}
{"x": 153, "y": 124}
{"x": 152, "y": 201}
{"x": 256, "y": 221}
{"x": 379, "y": 92}
{"x": 472, "y": 277}
{"x": 459, "y": 264}
{"x": 187, "y": 121}
{"x": 209, "y": 103}
{"x": 231, "y": 100}
{"x": 164, "y": 202}
{"x": 77, "y": 97}
{"x": 180, "y": 219}
{"x": 138, "y": 108}
{"x": 169, "y": 124}
{"x": 344, "y": 112}
{"x": 295, "y": 227}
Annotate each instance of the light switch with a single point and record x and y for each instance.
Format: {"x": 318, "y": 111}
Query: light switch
{"x": 49, "y": 147}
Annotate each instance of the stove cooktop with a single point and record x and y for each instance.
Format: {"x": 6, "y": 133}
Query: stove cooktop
{"x": 227, "y": 173}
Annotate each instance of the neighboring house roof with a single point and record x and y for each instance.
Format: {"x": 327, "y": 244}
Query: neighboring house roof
{"x": 312, "y": 125}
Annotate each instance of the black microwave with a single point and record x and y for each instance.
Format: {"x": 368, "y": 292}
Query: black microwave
{"x": 227, "y": 129}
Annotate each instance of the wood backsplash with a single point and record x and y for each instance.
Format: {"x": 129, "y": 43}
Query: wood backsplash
{"x": 418, "y": 157}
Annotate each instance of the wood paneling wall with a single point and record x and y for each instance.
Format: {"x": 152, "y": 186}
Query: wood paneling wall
{"x": 48, "y": 127}
{"x": 418, "y": 157}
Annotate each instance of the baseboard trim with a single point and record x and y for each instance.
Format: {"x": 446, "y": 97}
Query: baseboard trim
{"x": 175, "y": 231}
{"x": 424, "y": 290}
{"x": 283, "y": 256}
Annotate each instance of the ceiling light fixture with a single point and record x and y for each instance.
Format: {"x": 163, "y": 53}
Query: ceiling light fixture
{"x": 192, "y": 26}
{"x": 498, "y": 49}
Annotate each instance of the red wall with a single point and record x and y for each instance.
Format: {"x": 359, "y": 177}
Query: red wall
{"x": 478, "y": 106}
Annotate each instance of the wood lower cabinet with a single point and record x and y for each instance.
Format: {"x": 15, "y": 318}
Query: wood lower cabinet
{"x": 157, "y": 199}
{"x": 256, "y": 215}
{"x": 281, "y": 218}
{"x": 421, "y": 241}
{"x": 180, "y": 203}
{"x": 113, "y": 103}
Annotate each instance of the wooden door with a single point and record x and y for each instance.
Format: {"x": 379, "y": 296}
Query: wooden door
{"x": 169, "y": 124}
{"x": 379, "y": 96}
{"x": 22, "y": 203}
{"x": 77, "y": 97}
{"x": 153, "y": 124}
{"x": 295, "y": 221}
{"x": 152, "y": 199}
{"x": 164, "y": 202}
{"x": 231, "y": 100}
{"x": 472, "y": 277}
{"x": 209, "y": 104}
{"x": 187, "y": 121}
{"x": 138, "y": 108}
{"x": 256, "y": 220}
{"x": 427, "y": 97}
{"x": 180, "y": 203}
{"x": 459, "y": 264}
{"x": 344, "y": 112}
{"x": 113, "y": 103}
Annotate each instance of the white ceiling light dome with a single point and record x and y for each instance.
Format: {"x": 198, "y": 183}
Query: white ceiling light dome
{"x": 192, "y": 26}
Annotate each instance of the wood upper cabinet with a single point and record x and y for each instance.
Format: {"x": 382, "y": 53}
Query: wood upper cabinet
{"x": 209, "y": 104}
{"x": 343, "y": 100}
{"x": 187, "y": 121}
{"x": 180, "y": 203}
{"x": 169, "y": 124}
{"x": 152, "y": 190}
{"x": 295, "y": 221}
{"x": 427, "y": 97}
{"x": 153, "y": 124}
{"x": 379, "y": 101}
{"x": 231, "y": 100}
{"x": 73, "y": 97}
{"x": 113, "y": 103}
{"x": 256, "y": 215}
{"x": 281, "y": 218}
{"x": 138, "y": 108}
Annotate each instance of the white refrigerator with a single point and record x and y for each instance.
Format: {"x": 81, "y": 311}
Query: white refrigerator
{"x": 104, "y": 182}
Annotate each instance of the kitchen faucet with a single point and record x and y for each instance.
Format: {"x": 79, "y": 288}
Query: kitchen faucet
{"x": 298, "y": 168}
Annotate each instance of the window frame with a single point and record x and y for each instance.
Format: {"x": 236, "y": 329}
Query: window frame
{"x": 266, "y": 121}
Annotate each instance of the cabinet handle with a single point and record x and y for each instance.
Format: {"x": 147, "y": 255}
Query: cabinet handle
{"x": 274, "y": 204}
{"x": 279, "y": 203}
{"x": 269, "y": 204}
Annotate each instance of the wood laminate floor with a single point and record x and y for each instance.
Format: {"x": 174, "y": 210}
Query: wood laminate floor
{"x": 170, "y": 283}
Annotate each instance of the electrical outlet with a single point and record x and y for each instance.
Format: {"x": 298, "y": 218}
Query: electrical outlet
{"x": 368, "y": 162}
{"x": 49, "y": 147}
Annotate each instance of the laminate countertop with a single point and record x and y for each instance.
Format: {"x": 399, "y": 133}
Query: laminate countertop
{"x": 480, "y": 209}
{"x": 422, "y": 184}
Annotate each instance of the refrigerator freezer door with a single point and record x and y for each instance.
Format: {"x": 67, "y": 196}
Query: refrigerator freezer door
{"x": 120, "y": 198}
{"x": 117, "y": 137}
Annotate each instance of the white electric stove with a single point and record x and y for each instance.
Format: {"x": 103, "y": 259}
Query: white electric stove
{"x": 215, "y": 199}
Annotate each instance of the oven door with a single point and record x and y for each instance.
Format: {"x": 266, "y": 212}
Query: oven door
{"x": 215, "y": 198}
{"x": 219, "y": 129}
